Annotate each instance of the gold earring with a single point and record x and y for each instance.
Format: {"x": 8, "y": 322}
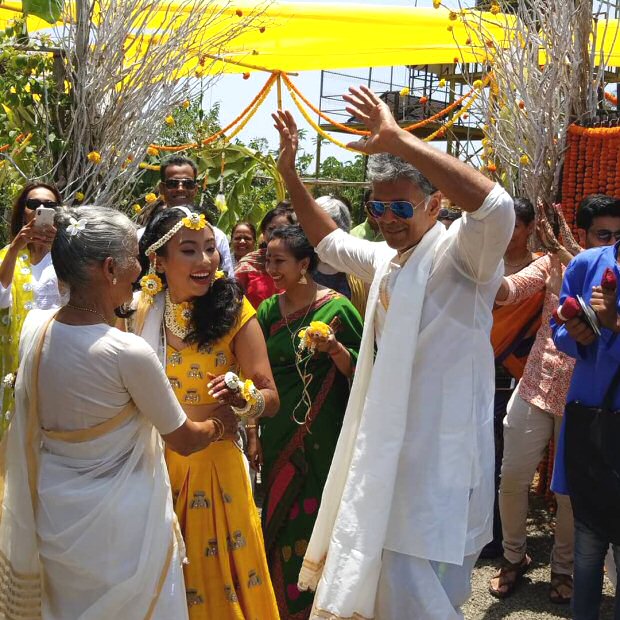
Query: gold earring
{"x": 302, "y": 280}
{"x": 114, "y": 281}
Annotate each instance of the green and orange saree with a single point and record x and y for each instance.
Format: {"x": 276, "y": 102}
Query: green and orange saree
{"x": 297, "y": 457}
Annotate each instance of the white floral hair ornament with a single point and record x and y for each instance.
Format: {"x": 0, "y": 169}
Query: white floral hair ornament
{"x": 76, "y": 226}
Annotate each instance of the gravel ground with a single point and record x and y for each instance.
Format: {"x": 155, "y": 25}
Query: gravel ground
{"x": 531, "y": 598}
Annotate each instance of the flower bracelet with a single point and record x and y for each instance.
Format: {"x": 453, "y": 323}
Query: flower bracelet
{"x": 254, "y": 399}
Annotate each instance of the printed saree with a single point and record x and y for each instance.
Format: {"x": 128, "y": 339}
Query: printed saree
{"x": 11, "y": 321}
{"x": 297, "y": 457}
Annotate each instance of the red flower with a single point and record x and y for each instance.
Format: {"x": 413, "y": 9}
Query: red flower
{"x": 609, "y": 281}
{"x": 567, "y": 311}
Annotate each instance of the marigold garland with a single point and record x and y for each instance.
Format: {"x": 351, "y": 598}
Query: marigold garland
{"x": 438, "y": 133}
{"x": 264, "y": 91}
{"x": 591, "y": 166}
{"x": 316, "y": 127}
{"x": 448, "y": 124}
{"x": 364, "y": 132}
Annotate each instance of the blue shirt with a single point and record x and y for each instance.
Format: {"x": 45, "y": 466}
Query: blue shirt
{"x": 596, "y": 363}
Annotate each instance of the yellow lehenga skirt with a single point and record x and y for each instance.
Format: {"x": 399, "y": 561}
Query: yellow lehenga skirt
{"x": 227, "y": 577}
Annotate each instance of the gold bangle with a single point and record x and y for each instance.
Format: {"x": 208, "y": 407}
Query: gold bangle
{"x": 251, "y": 426}
{"x": 219, "y": 425}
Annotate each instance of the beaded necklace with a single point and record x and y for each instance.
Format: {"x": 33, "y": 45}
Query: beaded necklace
{"x": 178, "y": 317}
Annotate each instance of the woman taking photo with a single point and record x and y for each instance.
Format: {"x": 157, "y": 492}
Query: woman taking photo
{"x": 242, "y": 240}
{"x": 205, "y": 334}
{"x": 250, "y": 272}
{"x": 87, "y": 509}
{"x": 27, "y": 276}
{"x": 313, "y": 336}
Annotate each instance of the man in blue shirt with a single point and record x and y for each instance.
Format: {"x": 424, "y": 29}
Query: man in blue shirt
{"x": 598, "y": 359}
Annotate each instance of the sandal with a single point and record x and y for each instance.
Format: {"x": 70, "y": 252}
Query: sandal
{"x": 560, "y": 581}
{"x": 509, "y": 576}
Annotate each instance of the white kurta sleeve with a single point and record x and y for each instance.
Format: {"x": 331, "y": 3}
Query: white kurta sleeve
{"x": 221, "y": 242}
{"x": 150, "y": 390}
{"x": 483, "y": 236}
{"x": 349, "y": 254}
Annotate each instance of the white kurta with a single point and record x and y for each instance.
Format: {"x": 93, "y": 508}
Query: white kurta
{"x": 443, "y": 496}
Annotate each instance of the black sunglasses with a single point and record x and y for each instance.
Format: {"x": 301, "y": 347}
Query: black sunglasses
{"x": 605, "y": 235}
{"x": 176, "y": 183}
{"x": 34, "y": 203}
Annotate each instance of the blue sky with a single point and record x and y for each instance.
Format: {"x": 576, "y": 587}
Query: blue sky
{"x": 261, "y": 126}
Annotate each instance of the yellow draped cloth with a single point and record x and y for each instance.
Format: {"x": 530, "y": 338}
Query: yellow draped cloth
{"x": 11, "y": 321}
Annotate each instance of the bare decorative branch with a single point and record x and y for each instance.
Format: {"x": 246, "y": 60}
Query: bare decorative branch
{"x": 544, "y": 78}
{"x": 125, "y": 64}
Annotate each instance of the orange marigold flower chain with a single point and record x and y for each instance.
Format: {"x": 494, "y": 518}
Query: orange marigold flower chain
{"x": 361, "y": 132}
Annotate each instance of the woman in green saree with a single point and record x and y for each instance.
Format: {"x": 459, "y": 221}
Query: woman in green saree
{"x": 297, "y": 444}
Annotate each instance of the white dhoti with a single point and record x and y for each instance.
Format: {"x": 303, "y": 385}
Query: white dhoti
{"x": 419, "y": 589}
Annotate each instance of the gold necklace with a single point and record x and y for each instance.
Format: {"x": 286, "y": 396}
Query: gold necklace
{"x": 178, "y": 317}
{"x": 304, "y": 376}
{"x": 101, "y": 316}
{"x": 519, "y": 263}
{"x": 285, "y": 316}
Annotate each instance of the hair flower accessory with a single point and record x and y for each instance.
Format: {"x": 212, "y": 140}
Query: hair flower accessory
{"x": 195, "y": 221}
{"x": 76, "y": 226}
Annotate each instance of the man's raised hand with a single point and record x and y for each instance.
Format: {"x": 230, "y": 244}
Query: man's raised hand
{"x": 375, "y": 114}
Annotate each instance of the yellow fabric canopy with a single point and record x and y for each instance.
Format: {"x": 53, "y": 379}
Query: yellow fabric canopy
{"x": 301, "y": 37}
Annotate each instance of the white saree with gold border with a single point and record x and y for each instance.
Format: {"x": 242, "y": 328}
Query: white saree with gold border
{"x": 87, "y": 528}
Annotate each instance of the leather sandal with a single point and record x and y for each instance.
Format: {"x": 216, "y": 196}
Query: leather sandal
{"x": 560, "y": 581}
{"x": 509, "y": 576}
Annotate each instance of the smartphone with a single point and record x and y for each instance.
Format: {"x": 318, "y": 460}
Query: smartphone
{"x": 44, "y": 216}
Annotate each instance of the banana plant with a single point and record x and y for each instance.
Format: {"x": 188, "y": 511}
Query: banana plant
{"x": 248, "y": 179}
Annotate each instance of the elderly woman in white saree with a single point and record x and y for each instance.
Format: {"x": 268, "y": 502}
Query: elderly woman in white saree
{"x": 87, "y": 528}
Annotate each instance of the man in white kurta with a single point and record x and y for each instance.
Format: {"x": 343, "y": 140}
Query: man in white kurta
{"x": 409, "y": 499}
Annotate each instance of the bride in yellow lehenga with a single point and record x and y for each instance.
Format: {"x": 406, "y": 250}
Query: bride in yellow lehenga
{"x": 204, "y": 332}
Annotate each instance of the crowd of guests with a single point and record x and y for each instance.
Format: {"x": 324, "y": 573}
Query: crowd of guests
{"x": 289, "y": 347}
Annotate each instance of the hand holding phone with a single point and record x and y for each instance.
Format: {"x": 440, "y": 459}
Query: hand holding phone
{"x": 44, "y": 216}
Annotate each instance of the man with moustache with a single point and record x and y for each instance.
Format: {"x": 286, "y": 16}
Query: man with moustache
{"x": 178, "y": 187}
{"x": 408, "y": 503}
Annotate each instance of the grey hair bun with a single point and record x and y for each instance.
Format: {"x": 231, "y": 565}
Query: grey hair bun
{"x": 106, "y": 233}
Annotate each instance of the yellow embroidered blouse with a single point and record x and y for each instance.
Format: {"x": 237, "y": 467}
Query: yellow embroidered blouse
{"x": 188, "y": 369}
